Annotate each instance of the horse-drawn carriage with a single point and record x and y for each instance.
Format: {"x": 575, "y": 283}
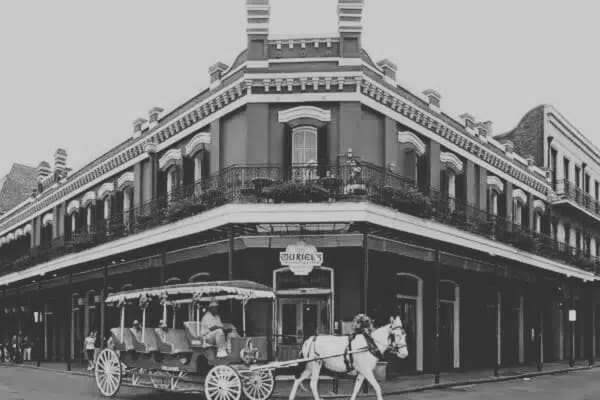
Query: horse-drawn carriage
{"x": 181, "y": 359}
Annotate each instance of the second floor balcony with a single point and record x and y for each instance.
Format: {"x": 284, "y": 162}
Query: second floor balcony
{"x": 351, "y": 182}
{"x": 567, "y": 191}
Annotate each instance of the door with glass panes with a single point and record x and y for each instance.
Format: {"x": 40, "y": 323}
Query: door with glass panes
{"x": 300, "y": 318}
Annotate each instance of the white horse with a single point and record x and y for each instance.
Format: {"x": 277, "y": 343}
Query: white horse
{"x": 329, "y": 352}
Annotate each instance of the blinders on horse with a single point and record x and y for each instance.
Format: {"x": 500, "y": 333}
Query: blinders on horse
{"x": 393, "y": 345}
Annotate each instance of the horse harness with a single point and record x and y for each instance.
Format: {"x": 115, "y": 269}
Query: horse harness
{"x": 372, "y": 348}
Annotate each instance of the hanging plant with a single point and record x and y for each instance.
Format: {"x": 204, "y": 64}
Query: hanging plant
{"x": 144, "y": 301}
{"x": 164, "y": 299}
{"x": 121, "y": 302}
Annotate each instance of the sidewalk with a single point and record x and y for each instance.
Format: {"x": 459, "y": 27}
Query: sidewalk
{"x": 393, "y": 385}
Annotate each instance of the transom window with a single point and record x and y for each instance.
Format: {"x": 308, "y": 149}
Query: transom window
{"x": 304, "y": 145}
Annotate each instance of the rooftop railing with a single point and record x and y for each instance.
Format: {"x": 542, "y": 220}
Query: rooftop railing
{"x": 276, "y": 184}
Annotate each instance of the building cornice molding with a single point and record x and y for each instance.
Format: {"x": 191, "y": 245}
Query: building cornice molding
{"x": 407, "y": 137}
{"x": 304, "y": 112}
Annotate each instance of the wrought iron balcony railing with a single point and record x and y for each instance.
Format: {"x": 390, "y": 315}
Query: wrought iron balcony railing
{"x": 275, "y": 184}
{"x": 566, "y": 190}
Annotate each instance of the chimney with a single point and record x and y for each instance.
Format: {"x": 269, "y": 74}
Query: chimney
{"x": 468, "y": 120}
{"x": 60, "y": 162}
{"x": 154, "y": 116}
{"x": 488, "y": 127}
{"x": 139, "y": 125}
{"x": 216, "y": 72}
{"x": 434, "y": 98}
{"x": 350, "y": 27}
{"x": 43, "y": 170}
{"x": 509, "y": 148}
{"x": 389, "y": 69}
{"x": 258, "y": 13}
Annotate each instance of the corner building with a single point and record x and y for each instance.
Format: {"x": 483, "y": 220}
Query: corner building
{"x": 305, "y": 145}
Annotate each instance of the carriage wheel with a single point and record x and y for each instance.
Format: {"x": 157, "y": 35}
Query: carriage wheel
{"x": 223, "y": 383}
{"x": 108, "y": 373}
{"x": 259, "y": 384}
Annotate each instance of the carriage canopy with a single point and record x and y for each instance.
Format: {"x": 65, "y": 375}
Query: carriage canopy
{"x": 218, "y": 290}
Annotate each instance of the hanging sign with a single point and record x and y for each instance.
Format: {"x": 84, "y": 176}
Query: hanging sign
{"x": 301, "y": 258}
{"x": 572, "y": 315}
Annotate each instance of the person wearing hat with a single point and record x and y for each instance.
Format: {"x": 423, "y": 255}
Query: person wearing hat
{"x": 214, "y": 331}
{"x": 137, "y": 330}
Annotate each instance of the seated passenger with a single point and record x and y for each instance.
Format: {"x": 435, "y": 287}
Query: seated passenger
{"x": 215, "y": 332}
{"x": 137, "y": 329}
{"x": 163, "y": 330}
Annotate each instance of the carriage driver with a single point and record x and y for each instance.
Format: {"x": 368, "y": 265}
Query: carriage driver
{"x": 215, "y": 332}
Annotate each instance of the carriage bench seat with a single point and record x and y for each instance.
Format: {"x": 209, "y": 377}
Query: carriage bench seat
{"x": 191, "y": 328}
{"x": 175, "y": 341}
{"x": 127, "y": 343}
{"x": 150, "y": 342}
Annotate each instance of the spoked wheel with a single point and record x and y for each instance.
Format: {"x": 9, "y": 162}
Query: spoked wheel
{"x": 108, "y": 373}
{"x": 258, "y": 385}
{"x": 222, "y": 383}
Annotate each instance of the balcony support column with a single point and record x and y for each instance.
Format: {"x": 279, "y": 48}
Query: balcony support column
{"x": 215, "y": 147}
{"x": 69, "y": 323}
{"x": 434, "y": 167}
{"x": 590, "y": 323}
{"x": 365, "y": 273}
{"x": 436, "y": 362}
{"x": 530, "y": 213}
{"x": 483, "y": 189}
{"x": 103, "y": 295}
{"x": 571, "y": 325}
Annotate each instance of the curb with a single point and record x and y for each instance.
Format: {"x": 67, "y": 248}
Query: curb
{"x": 362, "y": 395}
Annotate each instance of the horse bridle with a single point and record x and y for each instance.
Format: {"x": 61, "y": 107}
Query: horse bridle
{"x": 392, "y": 345}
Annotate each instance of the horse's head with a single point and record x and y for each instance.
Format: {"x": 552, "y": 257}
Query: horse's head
{"x": 397, "y": 338}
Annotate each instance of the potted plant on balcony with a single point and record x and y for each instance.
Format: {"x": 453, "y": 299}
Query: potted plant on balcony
{"x": 296, "y": 192}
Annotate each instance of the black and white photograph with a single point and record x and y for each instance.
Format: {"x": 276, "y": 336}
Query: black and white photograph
{"x": 299, "y": 200}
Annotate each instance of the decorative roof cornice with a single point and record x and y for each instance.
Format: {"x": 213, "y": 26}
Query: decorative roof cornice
{"x": 161, "y": 135}
{"x": 459, "y": 137}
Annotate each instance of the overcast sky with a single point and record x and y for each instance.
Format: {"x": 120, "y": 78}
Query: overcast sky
{"x": 75, "y": 74}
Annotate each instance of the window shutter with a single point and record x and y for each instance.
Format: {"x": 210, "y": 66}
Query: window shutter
{"x": 322, "y": 150}
{"x": 188, "y": 171}
{"x": 287, "y": 150}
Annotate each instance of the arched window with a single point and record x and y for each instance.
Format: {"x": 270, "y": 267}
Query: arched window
{"x": 171, "y": 181}
{"x": 106, "y": 212}
{"x": 304, "y": 145}
{"x": 198, "y": 160}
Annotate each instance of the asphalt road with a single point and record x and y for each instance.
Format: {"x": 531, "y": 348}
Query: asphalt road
{"x": 30, "y": 384}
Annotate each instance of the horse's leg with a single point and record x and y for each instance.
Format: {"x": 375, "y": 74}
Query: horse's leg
{"x": 357, "y": 384}
{"x": 371, "y": 379}
{"x": 314, "y": 379}
{"x": 305, "y": 374}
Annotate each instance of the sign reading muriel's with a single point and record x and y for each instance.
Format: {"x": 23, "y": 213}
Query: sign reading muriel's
{"x": 301, "y": 258}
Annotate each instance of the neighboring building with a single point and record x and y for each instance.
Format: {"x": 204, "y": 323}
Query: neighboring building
{"x": 16, "y": 186}
{"x": 305, "y": 144}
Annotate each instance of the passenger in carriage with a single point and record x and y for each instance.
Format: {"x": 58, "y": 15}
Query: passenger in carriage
{"x": 163, "y": 330}
{"x": 215, "y": 332}
{"x": 137, "y": 329}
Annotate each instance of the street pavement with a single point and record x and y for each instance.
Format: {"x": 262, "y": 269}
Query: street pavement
{"x": 30, "y": 384}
